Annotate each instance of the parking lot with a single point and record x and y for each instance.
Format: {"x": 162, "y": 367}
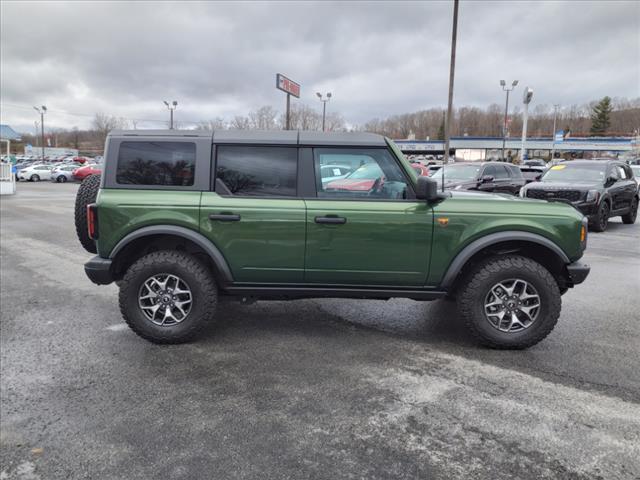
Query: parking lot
{"x": 308, "y": 388}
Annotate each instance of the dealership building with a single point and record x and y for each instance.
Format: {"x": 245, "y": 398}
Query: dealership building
{"x": 485, "y": 148}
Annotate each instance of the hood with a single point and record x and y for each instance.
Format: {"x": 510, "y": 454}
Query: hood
{"x": 563, "y": 185}
{"x": 460, "y": 185}
{"x": 350, "y": 184}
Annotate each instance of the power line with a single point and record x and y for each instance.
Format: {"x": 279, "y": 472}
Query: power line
{"x": 62, "y": 112}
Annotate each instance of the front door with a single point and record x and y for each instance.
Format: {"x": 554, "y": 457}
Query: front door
{"x": 254, "y": 216}
{"x": 365, "y": 228}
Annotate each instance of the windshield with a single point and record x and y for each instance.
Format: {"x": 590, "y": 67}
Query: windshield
{"x": 457, "y": 173}
{"x": 369, "y": 171}
{"x": 636, "y": 170}
{"x": 575, "y": 173}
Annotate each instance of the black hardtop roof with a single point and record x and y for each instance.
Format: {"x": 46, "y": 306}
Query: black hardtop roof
{"x": 267, "y": 137}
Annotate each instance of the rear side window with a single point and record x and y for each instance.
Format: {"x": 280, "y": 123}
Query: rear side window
{"x": 501, "y": 172}
{"x": 257, "y": 171}
{"x": 156, "y": 163}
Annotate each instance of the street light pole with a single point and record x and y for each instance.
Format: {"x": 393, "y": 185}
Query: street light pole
{"x": 324, "y": 106}
{"x": 553, "y": 134}
{"x": 41, "y": 110}
{"x": 526, "y": 99}
{"x": 503, "y": 84}
{"x": 171, "y": 108}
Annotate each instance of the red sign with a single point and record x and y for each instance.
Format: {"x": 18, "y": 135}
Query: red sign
{"x": 287, "y": 85}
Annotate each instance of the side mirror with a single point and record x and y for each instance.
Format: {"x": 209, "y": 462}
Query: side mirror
{"x": 610, "y": 181}
{"x": 427, "y": 189}
{"x": 486, "y": 179}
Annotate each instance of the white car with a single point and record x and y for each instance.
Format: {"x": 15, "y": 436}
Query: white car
{"x": 329, "y": 173}
{"x": 63, "y": 173}
{"x": 35, "y": 173}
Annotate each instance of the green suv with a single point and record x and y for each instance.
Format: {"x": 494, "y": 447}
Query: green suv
{"x": 180, "y": 220}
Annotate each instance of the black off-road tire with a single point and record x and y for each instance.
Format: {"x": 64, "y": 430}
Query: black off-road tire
{"x": 476, "y": 285}
{"x": 602, "y": 218}
{"x": 197, "y": 276}
{"x": 630, "y": 217}
{"x": 87, "y": 193}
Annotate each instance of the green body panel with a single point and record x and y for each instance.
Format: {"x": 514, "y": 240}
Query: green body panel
{"x": 121, "y": 211}
{"x": 475, "y": 215}
{"x": 382, "y": 243}
{"x": 266, "y": 245}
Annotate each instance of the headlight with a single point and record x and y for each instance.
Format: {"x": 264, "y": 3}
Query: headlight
{"x": 592, "y": 196}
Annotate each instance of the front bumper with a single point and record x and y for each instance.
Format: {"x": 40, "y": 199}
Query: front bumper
{"x": 578, "y": 271}
{"x": 98, "y": 270}
{"x": 587, "y": 209}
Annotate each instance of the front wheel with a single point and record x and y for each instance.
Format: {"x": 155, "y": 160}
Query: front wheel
{"x": 35, "y": 178}
{"x": 509, "y": 302}
{"x": 61, "y": 179}
{"x": 167, "y": 296}
{"x": 602, "y": 219}
{"x": 630, "y": 217}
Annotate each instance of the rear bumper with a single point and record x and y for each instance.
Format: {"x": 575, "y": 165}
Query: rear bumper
{"x": 578, "y": 271}
{"x": 98, "y": 270}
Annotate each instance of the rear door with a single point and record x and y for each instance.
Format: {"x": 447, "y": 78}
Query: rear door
{"x": 367, "y": 228}
{"x": 253, "y": 213}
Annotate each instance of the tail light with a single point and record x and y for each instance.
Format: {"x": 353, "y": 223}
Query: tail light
{"x": 92, "y": 221}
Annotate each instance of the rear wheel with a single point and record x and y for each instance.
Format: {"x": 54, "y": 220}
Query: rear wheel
{"x": 168, "y": 296}
{"x": 633, "y": 213}
{"x": 602, "y": 218}
{"x": 509, "y": 302}
{"x": 87, "y": 193}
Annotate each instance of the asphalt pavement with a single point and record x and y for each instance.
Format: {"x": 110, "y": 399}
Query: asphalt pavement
{"x": 318, "y": 389}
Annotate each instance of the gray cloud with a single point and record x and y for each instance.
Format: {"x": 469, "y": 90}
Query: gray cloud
{"x": 378, "y": 59}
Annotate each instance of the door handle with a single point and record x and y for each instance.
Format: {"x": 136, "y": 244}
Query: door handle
{"x": 331, "y": 220}
{"x": 224, "y": 217}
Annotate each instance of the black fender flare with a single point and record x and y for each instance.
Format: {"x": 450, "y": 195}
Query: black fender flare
{"x": 474, "y": 247}
{"x": 215, "y": 255}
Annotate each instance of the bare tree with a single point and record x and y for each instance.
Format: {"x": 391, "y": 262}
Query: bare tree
{"x": 217, "y": 123}
{"x": 241, "y": 123}
{"x": 103, "y": 124}
{"x": 264, "y": 118}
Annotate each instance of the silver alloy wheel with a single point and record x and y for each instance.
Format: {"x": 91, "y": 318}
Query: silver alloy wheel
{"x": 165, "y": 299}
{"x": 512, "y": 305}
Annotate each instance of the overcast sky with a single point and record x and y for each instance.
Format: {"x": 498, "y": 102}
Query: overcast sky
{"x": 220, "y": 59}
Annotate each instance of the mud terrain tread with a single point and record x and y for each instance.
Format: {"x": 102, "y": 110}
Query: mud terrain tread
{"x": 87, "y": 193}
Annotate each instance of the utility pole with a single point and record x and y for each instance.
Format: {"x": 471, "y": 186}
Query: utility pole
{"x": 452, "y": 69}
{"x": 556, "y": 106}
{"x": 41, "y": 110}
{"x": 324, "y": 105}
{"x": 171, "y": 108}
{"x": 506, "y": 112}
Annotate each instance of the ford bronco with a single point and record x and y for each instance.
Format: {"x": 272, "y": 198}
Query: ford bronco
{"x": 180, "y": 219}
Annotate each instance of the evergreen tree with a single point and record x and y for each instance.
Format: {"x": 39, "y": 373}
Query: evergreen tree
{"x": 441, "y": 129}
{"x": 601, "y": 117}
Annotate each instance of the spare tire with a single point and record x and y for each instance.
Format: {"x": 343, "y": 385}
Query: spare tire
{"x": 87, "y": 193}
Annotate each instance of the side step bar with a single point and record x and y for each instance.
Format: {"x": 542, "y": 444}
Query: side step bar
{"x": 284, "y": 292}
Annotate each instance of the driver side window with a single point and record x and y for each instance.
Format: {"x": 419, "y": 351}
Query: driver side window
{"x": 358, "y": 173}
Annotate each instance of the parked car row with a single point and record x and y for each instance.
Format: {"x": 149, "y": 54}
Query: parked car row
{"x": 599, "y": 189}
{"x": 58, "y": 172}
